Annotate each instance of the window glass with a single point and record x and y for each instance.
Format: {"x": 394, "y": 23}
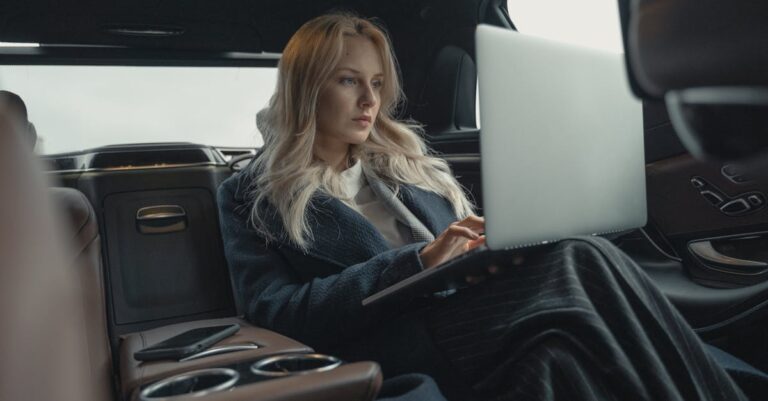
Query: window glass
{"x": 593, "y": 23}
{"x": 80, "y": 107}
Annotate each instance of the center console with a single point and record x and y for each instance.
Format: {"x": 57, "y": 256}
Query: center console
{"x": 253, "y": 364}
{"x": 284, "y": 377}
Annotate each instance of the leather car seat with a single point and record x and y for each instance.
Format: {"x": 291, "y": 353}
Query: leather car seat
{"x": 45, "y": 353}
{"x": 82, "y": 232}
{"x": 708, "y": 60}
{"x": 446, "y": 103}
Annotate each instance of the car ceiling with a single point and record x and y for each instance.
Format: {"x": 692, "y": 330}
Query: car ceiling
{"x": 231, "y": 26}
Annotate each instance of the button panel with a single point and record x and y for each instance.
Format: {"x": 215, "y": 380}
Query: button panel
{"x": 738, "y": 205}
{"x": 735, "y": 173}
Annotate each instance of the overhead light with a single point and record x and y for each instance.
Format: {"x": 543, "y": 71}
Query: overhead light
{"x": 18, "y": 44}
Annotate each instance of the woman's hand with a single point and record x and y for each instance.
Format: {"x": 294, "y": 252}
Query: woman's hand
{"x": 458, "y": 238}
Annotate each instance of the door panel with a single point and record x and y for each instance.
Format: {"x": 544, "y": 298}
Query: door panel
{"x": 706, "y": 242}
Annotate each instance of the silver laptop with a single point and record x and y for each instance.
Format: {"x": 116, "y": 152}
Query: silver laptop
{"x": 561, "y": 140}
{"x": 561, "y": 150}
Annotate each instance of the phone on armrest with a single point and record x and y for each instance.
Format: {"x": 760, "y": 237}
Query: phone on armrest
{"x": 187, "y": 343}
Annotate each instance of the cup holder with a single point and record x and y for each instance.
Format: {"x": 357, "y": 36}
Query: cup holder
{"x": 195, "y": 384}
{"x": 294, "y": 364}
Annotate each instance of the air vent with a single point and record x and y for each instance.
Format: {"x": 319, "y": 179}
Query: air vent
{"x": 63, "y": 163}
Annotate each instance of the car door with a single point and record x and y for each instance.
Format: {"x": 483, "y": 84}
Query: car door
{"x": 706, "y": 241}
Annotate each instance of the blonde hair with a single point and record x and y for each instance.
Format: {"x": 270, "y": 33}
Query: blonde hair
{"x": 286, "y": 174}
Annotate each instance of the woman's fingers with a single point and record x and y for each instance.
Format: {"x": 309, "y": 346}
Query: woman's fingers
{"x": 475, "y": 223}
{"x": 472, "y": 244}
{"x": 462, "y": 231}
{"x": 458, "y": 238}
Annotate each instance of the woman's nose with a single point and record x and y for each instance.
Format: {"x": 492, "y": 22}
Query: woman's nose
{"x": 368, "y": 97}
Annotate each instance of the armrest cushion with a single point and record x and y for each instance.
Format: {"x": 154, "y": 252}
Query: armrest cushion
{"x": 134, "y": 374}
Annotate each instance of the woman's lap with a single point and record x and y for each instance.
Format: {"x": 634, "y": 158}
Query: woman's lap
{"x": 578, "y": 321}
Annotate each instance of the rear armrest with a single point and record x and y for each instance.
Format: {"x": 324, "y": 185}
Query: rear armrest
{"x": 358, "y": 381}
{"x": 134, "y": 374}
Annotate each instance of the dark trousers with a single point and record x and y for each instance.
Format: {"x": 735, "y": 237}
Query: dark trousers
{"x": 578, "y": 322}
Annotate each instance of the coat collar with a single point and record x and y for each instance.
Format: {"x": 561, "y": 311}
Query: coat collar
{"x": 343, "y": 236}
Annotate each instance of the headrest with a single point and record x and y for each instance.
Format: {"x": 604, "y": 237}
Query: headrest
{"x": 709, "y": 60}
{"x": 698, "y": 43}
{"x": 447, "y": 101}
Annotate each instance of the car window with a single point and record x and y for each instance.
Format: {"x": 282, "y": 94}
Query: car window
{"x": 593, "y": 23}
{"x": 81, "y": 107}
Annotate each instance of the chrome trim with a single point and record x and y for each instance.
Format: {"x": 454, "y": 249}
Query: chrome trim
{"x": 133, "y": 168}
{"x": 461, "y": 157}
{"x": 705, "y": 251}
{"x": 221, "y": 350}
{"x": 234, "y": 377}
{"x": 256, "y": 368}
{"x": 161, "y": 215}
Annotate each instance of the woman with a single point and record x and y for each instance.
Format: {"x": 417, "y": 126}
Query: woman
{"x": 344, "y": 200}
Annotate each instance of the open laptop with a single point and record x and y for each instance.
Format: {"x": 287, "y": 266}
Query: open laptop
{"x": 561, "y": 148}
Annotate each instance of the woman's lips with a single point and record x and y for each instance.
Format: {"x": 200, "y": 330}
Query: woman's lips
{"x": 363, "y": 121}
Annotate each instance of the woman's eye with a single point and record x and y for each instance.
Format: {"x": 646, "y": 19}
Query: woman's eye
{"x": 347, "y": 81}
{"x": 377, "y": 84}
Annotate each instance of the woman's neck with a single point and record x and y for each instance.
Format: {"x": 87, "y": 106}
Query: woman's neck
{"x": 340, "y": 161}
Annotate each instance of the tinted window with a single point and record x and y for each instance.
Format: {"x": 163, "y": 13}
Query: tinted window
{"x": 78, "y": 107}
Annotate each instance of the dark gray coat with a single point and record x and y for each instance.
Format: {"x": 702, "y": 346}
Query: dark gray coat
{"x": 315, "y": 296}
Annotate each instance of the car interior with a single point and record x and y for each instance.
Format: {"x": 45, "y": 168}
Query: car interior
{"x": 110, "y": 249}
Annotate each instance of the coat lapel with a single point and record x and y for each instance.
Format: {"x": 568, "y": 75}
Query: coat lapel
{"x": 430, "y": 208}
{"x": 419, "y": 231}
{"x": 343, "y": 236}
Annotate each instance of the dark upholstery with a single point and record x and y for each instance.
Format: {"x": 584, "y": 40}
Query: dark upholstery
{"x": 709, "y": 60}
{"x": 447, "y": 101}
{"x": 694, "y": 43}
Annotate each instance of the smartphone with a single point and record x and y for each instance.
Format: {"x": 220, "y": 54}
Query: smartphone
{"x": 187, "y": 343}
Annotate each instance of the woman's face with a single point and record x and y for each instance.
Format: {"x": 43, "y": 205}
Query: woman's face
{"x": 349, "y": 101}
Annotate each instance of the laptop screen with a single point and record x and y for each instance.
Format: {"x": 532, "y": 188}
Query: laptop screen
{"x": 561, "y": 141}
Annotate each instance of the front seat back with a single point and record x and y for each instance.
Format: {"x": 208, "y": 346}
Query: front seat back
{"x": 43, "y": 345}
{"x": 709, "y": 61}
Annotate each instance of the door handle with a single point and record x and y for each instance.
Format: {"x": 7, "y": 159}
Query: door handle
{"x": 705, "y": 251}
{"x": 161, "y": 219}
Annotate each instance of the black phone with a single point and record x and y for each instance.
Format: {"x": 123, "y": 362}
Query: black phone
{"x": 187, "y": 343}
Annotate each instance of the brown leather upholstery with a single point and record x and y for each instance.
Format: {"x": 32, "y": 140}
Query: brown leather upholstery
{"x": 134, "y": 374}
{"x": 42, "y": 342}
{"x": 359, "y": 381}
{"x": 85, "y": 259}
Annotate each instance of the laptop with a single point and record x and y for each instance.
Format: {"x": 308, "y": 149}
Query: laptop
{"x": 561, "y": 149}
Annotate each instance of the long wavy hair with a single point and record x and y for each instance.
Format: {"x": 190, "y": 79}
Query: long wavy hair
{"x": 286, "y": 173}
